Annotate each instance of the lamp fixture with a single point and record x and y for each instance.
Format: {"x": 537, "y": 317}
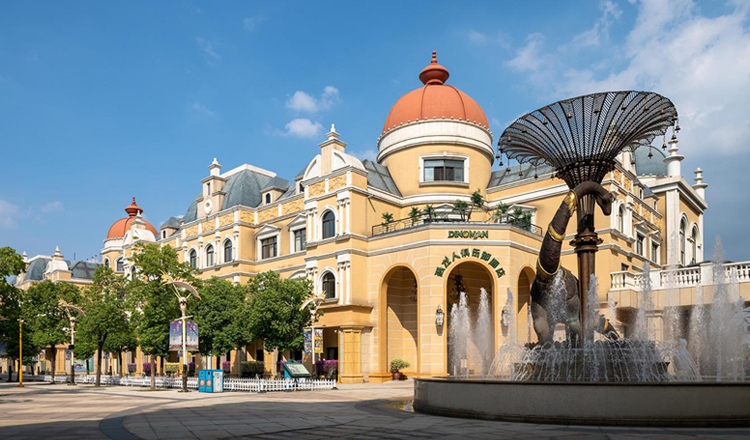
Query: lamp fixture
{"x": 439, "y": 316}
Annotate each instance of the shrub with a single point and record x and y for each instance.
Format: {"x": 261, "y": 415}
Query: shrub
{"x": 252, "y": 369}
{"x": 147, "y": 368}
{"x": 131, "y": 368}
{"x": 398, "y": 364}
{"x": 171, "y": 367}
{"x": 330, "y": 368}
{"x": 191, "y": 369}
{"x": 226, "y": 366}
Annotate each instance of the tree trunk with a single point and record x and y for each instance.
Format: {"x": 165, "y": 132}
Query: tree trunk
{"x": 10, "y": 368}
{"x": 53, "y": 355}
{"x": 153, "y": 371}
{"x": 119, "y": 361}
{"x": 99, "y": 365}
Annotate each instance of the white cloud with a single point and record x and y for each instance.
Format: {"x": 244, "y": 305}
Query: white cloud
{"x": 251, "y": 23}
{"x": 302, "y": 127}
{"x": 9, "y": 214}
{"x": 480, "y": 38}
{"x": 198, "y": 107}
{"x": 599, "y": 33}
{"x": 55, "y": 206}
{"x": 369, "y": 154}
{"x": 208, "y": 50}
{"x": 477, "y": 37}
{"x": 702, "y": 63}
{"x": 304, "y": 102}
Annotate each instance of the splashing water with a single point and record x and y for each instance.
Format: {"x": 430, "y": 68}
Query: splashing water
{"x": 482, "y": 332}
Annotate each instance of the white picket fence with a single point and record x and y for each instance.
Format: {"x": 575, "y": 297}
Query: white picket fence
{"x": 230, "y": 383}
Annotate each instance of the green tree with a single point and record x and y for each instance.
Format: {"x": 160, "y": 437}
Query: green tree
{"x": 387, "y": 220}
{"x": 477, "y": 199}
{"x": 276, "y": 313}
{"x": 222, "y": 316}
{"x": 11, "y": 264}
{"x": 462, "y": 208}
{"x": 120, "y": 342}
{"x": 154, "y": 303}
{"x": 105, "y": 312}
{"x": 429, "y": 212}
{"x": 46, "y": 320}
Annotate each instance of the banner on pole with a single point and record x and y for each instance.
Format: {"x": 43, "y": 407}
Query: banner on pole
{"x": 319, "y": 341}
{"x": 308, "y": 340}
{"x": 192, "y": 336}
{"x": 175, "y": 336}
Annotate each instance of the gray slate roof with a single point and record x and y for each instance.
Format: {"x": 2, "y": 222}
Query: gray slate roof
{"x": 242, "y": 188}
{"x": 84, "y": 270}
{"x": 516, "y": 173}
{"x": 654, "y": 166}
{"x": 172, "y": 222}
{"x": 379, "y": 177}
{"x": 277, "y": 182}
{"x": 35, "y": 272}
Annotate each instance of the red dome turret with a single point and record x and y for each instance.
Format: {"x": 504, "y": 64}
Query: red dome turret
{"x": 120, "y": 227}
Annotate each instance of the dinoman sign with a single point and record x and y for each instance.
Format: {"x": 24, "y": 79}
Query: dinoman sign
{"x": 474, "y": 235}
{"x": 465, "y": 253}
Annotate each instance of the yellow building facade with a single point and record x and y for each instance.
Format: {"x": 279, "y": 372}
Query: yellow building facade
{"x": 387, "y": 248}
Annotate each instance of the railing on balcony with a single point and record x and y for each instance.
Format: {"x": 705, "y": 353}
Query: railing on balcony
{"x": 682, "y": 277}
{"x": 407, "y": 223}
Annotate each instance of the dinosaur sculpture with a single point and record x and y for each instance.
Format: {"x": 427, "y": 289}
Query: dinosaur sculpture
{"x": 548, "y": 267}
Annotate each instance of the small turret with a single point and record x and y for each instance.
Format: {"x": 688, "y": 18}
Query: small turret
{"x": 674, "y": 169}
{"x": 699, "y": 186}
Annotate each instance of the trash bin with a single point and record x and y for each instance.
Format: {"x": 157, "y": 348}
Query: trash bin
{"x": 211, "y": 381}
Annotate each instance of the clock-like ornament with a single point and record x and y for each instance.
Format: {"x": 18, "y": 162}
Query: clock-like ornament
{"x": 207, "y": 207}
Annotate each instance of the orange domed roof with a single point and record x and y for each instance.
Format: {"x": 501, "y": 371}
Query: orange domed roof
{"x": 435, "y": 101}
{"x": 122, "y": 226}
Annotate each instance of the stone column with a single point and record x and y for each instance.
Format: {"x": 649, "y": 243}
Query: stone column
{"x": 350, "y": 356}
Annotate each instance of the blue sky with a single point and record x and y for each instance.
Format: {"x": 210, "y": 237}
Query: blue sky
{"x": 101, "y": 101}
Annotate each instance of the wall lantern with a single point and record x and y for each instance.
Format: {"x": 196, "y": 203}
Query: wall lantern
{"x": 439, "y": 317}
{"x": 505, "y": 317}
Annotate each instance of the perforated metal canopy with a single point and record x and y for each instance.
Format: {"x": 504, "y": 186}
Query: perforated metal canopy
{"x": 581, "y": 137}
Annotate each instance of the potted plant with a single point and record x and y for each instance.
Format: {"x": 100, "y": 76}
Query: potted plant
{"x": 429, "y": 212}
{"x": 414, "y": 215}
{"x": 396, "y": 366}
{"x": 387, "y": 220}
{"x": 462, "y": 208}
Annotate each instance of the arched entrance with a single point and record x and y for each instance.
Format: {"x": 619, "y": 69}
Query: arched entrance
{"x": 478, "y": 333}
{"x": 525, "y": 329}
{"x": 400, "y": 321}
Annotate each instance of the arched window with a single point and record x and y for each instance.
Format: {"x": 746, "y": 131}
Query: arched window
{"x": 682, "y": 241}
{"x": 694, "y": 238}
{"x": 227, "y": 251}
{"x": 328, "y": 285}
{"x": 193, "y": 259}
{"x": 621, "y": 219}
{"x": 209, "y": 256}
{"x": 329, "y": 224}
{"x": 268, "y": 198}
{"x": 119, "y": 265}
{"x": 106, "y": 262}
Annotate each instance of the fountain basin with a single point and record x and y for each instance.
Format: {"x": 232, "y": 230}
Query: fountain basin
{"x": 697, "y": 404}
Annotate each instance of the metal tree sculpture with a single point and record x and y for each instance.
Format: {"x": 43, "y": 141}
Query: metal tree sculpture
{"x": 581, "y": 137}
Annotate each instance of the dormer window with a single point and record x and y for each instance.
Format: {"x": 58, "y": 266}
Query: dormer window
{"x": 301, "y": 188}
{"x": 208, "y": 189}
{"x": 268, "y": 198}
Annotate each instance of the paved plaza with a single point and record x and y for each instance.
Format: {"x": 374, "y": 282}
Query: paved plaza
{"x": 364, "y": 411}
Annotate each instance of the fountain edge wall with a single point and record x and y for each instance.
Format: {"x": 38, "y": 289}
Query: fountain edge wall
{"x": 698, "y": 404}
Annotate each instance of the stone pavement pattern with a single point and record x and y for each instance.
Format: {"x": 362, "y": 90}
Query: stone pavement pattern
{"x": 366, "y": 411}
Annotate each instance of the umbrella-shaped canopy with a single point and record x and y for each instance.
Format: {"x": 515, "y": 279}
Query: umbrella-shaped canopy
{"x": 581, "y": 137}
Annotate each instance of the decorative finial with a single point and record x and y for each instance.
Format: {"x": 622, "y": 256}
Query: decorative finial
{"x": 333, "y": 127}
{"x": 133, "y": 209}
{"x": 434, "y": 73}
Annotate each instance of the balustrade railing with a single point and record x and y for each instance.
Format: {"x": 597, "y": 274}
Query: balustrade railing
{"x": 407, "y": 223}
{"x": 678, "y": 278}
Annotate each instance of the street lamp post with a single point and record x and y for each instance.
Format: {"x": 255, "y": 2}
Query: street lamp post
{"x": 177, "y": 285}
{"x": 20, "y": 353}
